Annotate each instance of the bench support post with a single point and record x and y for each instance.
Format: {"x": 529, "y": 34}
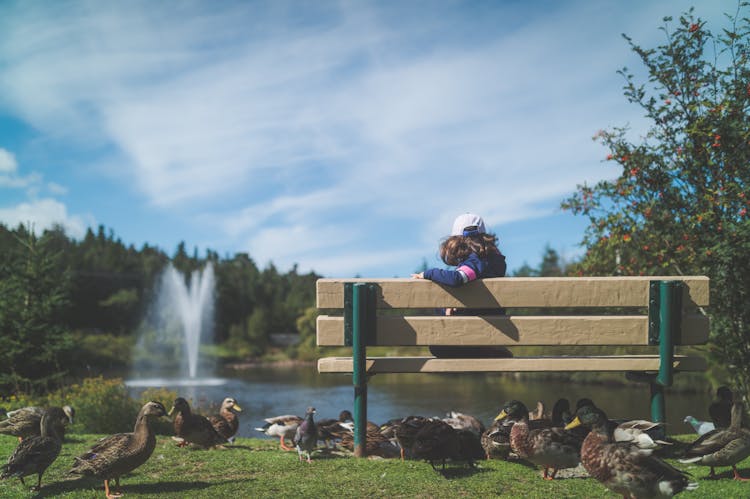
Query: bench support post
{"x": 363, "y": 322}
{"x": 665, "y": 313}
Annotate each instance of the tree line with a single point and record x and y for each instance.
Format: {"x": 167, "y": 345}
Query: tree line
{"x": 55, "y": 292}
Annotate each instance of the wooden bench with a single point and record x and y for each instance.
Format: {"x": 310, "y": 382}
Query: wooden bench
{"x": 655, "y": 312}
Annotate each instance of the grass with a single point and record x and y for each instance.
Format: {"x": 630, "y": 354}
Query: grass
{"x": 258, "y": 468}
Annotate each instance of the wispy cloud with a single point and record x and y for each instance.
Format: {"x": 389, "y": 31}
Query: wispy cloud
{"x": 43, "y": 214}
{"x": 309, "y": 131}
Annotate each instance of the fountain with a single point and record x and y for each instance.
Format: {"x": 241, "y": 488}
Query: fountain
{"x": 170, "y": 339}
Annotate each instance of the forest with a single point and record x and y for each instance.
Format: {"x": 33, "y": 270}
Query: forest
{"x": 67, "y": 303}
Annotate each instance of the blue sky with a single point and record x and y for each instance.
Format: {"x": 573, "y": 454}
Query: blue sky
{"x": 342, "y": 136}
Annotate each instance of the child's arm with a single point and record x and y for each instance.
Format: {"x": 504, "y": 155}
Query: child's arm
{"x": 468, "y": 270}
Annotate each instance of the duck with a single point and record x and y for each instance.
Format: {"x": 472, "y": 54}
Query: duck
{"x": 34, "y": 454}
{"x": 641, "y": 432}
{"x": 306, "y": 436}
{"x": 283, "y": 427}
{"x": 700, "y": 427}
{"x": 720, "y": 410}
{"x": 404, "y": 431}
{"x": 623, "y": 467}
{"x": 722, "y": 446}
{"x": 436, "y": 441}
{"x": 25, "y": 422}
{"x": 193, "y": 428}
{"x": 552, "y": 448}
{"x": 461, "y": 421}
{"x": 496, "y": 439}
{"x": 334, "y": 429}
{"x": 561, "y": 415}
{"x": 379, "y": 440}
{"x": 119, "y": 454}
{"x": 226, "y": 422}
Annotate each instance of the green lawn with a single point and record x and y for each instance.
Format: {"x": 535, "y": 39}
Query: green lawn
{"x": 258, "y": 468}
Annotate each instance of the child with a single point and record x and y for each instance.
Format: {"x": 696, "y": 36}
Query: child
{"x": 474, "y": 253}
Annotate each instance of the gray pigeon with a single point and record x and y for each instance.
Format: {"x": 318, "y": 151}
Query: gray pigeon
{"x": 306, "y": 437}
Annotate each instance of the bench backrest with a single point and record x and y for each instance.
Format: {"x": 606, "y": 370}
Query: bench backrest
{"x": 566, "y": 311}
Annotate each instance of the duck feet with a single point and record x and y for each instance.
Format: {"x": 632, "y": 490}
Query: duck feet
{"x": 283, "y": 445}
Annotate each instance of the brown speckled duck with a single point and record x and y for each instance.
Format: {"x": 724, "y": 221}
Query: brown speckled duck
{"x": 121, "y": 453}
{"x": 34, "y": 454}
{"x": 193, "y": 428}
{"x": 623, "y": 467}
{"x": 25, "y": 422}
{"x": 226, "y": 423}
{"x": 722, "y": 446}
{"x": 331, "y": 430}
{"x": 552, "y": 448}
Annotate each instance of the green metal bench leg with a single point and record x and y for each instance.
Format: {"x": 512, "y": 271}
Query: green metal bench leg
{"x": 658, "y": 405}
{"x": 362, "y": 314}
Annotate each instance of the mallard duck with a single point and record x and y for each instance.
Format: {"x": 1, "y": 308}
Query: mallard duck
{"x": 641, "y": 432}
{"x": 334, "y": 429}
{"x": 561, "y": 414}
{"x": 226, "y": 423}
{"x": 193, "y": 428}
{"x": 121, "y": 453}
{"x": 25, "y": 422}
{"x": 34, "y": 454}
{"x": 553, "y": 448}
{"x": 700, "y": 427}
{"x": 623, "y": 467}
{"x": 283, "y": 427}
{"x": 306, "y": 436}
{"x": 722, "y": 446}
{"x": 720, "y": 409}
{"x": 461, "y": 421}
{"x": 496, "y": 439}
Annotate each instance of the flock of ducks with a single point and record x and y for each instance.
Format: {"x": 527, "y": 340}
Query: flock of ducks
{"x": 40, "y": 433}
{"x": 619, "y": 454}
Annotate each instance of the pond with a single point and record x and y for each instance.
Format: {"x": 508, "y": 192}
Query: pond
{"x": 272, "y": 391}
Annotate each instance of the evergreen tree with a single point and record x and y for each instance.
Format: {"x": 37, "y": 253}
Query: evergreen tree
{"x": 34, "y": 293}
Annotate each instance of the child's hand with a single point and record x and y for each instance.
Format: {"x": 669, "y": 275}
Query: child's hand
{"x": 418, "y": 276}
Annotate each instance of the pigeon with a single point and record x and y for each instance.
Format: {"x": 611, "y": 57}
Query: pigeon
{"x": 306, "y": 437}
{"x": 700, "y": 427}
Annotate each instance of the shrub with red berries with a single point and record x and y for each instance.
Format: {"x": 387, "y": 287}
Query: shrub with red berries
{"x": 679, "y": 205}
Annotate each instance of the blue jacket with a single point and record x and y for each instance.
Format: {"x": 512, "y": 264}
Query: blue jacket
{"x": 470, "y": 269}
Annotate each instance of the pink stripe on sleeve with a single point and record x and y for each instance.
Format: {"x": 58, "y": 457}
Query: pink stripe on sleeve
{"x": 468, "y": 271}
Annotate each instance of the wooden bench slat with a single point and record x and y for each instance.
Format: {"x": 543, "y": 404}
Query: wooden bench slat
{"x": 377, "y": 365}
{"x": 512, "y": 330}
{"x": 517, "y": 292}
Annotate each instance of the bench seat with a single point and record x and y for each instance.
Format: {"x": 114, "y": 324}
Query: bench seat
{"x": 377, "y": 365}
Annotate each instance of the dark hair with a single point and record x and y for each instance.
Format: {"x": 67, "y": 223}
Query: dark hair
{"x": 455, "y": 249}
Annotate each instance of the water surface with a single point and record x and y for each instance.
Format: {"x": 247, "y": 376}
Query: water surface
{"x": 264, "y": 392}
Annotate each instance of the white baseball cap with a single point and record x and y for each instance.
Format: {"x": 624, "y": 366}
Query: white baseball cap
{"x": 468, "y": 222}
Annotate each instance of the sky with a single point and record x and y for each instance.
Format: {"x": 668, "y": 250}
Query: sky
{"x": 340, "y": 136}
